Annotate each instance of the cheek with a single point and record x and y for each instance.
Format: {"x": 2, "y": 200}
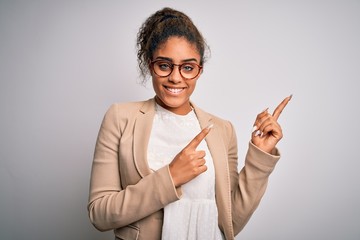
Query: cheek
{"x": 155, "y": 81}
{"x": 193, "y": 84}
{"x": 156, "y": 85}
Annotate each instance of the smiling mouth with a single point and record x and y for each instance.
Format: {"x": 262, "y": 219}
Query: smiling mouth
{"x": 174, "y": 90}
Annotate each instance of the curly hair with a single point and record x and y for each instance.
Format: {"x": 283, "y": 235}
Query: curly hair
{"x": 159, "y": 27}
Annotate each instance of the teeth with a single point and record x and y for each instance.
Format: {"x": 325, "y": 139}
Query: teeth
{"x": 174, "y": 90}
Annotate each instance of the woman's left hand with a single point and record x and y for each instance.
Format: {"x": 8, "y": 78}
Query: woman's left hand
{"x": 267, "y": 131}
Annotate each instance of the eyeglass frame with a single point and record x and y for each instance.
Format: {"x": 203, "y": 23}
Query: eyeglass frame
{"x": 179, "y": 67}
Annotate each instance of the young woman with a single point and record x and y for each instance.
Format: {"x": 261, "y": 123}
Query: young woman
{"x": 164, "y": 168}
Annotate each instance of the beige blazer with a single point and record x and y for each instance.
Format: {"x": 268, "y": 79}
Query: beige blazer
{"x": 128, "y": 197}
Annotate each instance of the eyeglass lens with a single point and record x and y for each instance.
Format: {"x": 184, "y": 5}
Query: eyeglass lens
{"x": 165, "y": 68}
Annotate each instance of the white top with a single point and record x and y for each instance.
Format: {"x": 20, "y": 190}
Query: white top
{"x": 194, "y": 216}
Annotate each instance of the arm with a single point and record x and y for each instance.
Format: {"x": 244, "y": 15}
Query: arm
{"x": 248, "y": 186}
{"x": 260, "y": 161}
{"x": 110, "y": 204}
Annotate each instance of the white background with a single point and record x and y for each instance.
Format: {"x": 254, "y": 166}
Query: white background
{"x": 62, "y": 63}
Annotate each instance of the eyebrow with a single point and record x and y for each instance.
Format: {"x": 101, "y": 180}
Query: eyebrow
{"x": 171, "y": 60}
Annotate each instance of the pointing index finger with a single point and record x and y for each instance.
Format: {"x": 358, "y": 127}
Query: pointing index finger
{"x": 281, "y": 107}
{"x": 197, "y": 140}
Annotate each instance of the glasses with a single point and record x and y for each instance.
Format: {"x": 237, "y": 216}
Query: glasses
{"x": 164, "y": 68}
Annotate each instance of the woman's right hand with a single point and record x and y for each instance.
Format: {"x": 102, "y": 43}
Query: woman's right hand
{"x": 189, "y": 163}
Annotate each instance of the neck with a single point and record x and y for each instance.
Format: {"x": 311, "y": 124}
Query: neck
{"x": 180, "y": 110}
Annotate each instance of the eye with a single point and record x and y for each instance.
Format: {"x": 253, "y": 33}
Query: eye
{"x": 163, "y": 65}
{"x": 188, "y": 67}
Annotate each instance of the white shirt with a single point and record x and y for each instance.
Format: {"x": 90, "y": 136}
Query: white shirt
{"x": 194, "y": 216}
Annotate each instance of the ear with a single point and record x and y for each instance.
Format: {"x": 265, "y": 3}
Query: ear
{"x": 150, "y": 67}
{"x": 201, "y": 71}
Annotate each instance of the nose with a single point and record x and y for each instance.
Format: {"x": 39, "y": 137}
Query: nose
{"x": 175, "y": 75}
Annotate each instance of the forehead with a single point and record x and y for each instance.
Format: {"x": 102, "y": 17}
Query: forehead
{"x": 178, "y": 49}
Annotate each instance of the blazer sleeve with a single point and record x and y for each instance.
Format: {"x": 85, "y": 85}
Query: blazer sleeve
{"x": 248, "y": 186}
{"x": 112, "y": 206}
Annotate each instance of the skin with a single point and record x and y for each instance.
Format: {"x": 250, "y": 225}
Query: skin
{"x": 190, "y": 162}
{"x": 270, "y": 129}
{"x": 177, "y": 50}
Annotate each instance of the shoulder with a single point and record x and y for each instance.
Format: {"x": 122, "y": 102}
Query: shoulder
{"x": 128, "y": 106}
{"x": 122, "y": 113}
{"x": 220, "y": 120}
{"x": 225, "y": 126}
{"x": 131, "y": 108}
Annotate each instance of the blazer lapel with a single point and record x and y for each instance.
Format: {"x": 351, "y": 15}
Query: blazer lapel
{"x": 218, "y": 152}
{"x": 142, "y": 130}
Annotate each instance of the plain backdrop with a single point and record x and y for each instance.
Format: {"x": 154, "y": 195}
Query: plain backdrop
{"x": 63, "y": 63}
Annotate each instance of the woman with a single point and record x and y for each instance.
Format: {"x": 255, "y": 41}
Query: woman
{"x": 164, "y": 168}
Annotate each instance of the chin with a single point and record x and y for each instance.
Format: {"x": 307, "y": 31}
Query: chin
{"x": 174, "y": 104}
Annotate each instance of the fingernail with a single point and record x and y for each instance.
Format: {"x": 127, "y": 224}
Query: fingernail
{"x": 258, "y": 132}
{"x": 290, "y": 97}
{"x": 265, "y": 110}
{"x": 210, "y": 126}
{"x": 262, "y": 134}
{"x": 254, "y": 129}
